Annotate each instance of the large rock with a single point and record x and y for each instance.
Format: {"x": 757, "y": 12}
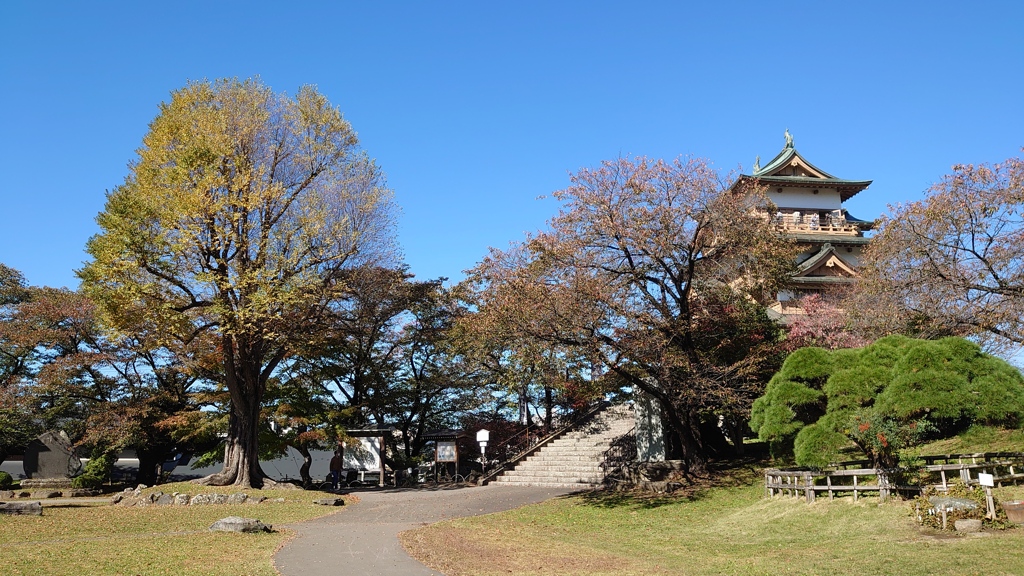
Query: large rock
{"x": 22, "y": 508}
{"x": 43, "y": 494}
{"x": 967, "y": 525}
{"x": 239, "y": 524}
{"x": 200, "y": 499}
{"x": 181, "y": 499}
{"x": 51, "y": 456}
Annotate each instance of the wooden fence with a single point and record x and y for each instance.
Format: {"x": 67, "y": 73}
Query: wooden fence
{"x": 938, "y": 472}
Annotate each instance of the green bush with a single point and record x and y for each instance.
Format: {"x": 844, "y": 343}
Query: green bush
{"x": 5, "y": 480}
{"x": 885, "y": 397}
{"x": 97, "y": 471}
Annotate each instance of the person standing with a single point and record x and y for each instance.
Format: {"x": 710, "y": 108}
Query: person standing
{"x": 336, "y": 465}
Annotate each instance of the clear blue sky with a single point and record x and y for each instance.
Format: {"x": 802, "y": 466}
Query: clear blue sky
{"x": 474, "y": 109}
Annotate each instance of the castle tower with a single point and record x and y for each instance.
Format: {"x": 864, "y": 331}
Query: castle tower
{"x": 810, "y": 210}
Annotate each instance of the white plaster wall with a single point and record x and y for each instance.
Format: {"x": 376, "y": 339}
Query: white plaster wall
{"x": 825, "y": 199}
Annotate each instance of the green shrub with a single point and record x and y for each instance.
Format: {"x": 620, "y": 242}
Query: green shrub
{"x": 5, "y": 480}
{"x": 810, "y": 366}
{"x": 97, "y": 471}
{"x": 885, "y": 397}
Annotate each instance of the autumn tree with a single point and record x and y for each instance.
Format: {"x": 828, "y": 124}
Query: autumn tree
{"x": 655, "y": 271}
{"x": 233, "y": 229}
{"x": 953, "y": 263}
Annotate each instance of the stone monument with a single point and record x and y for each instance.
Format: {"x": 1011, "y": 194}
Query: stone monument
{"x": 50, "y": 461}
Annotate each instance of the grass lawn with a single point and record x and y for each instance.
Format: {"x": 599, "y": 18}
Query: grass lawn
{"x": 724, "y": 530}
{"x": 154, "y": 540}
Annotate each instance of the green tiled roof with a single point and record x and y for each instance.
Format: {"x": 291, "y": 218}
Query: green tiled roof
{"x": 847, "y": 188}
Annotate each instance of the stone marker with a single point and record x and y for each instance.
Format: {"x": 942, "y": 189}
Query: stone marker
{"x": 329, "y": 502}
{"x": 967, "y": 525}
{"x": 239, "y": 524}
{"x": 22, "y": 508}
{"x": 51, "y": 456}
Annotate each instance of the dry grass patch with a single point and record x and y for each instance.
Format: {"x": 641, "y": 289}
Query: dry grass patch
{"x": 731, "y": 530}
{"x": 161, "y": 540}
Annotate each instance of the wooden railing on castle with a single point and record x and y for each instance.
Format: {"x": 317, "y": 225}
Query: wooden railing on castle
{"x": 938, "y": 472}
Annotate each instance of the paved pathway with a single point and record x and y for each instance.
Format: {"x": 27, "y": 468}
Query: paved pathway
{"x": 363, "y": 537}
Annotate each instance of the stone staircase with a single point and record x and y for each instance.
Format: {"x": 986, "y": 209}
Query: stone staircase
{"x": 574, "y": 459}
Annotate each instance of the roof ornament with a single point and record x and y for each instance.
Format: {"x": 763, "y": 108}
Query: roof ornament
{"x": 789, "y": 139}
{"x": 757, "y": 164}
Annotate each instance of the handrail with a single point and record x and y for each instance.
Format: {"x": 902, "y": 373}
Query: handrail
{"x": 542, "y": 441}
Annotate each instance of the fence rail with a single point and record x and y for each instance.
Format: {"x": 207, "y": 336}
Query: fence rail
{"x": 1005, "y": 467}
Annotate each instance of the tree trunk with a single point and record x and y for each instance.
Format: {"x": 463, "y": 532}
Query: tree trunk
{"x": 307, "y": 461}
{"x": 148, "y": 474}
{"x": 241, "y": 451}
{"x": 548, "y": 405}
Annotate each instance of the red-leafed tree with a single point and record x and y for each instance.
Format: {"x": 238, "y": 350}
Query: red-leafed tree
{"x": 654, "y": 270}
{"x": 953, "y": 263}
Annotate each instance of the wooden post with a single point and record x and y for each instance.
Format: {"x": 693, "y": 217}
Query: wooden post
{"x": 809, "y": 487}
{"x": 828, "y": 480}
{"x": 854, "y": 487}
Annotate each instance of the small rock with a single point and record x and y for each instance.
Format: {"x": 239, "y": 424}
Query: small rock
{"x": 237, "y": 498}
{"x": 200, "y": 499}
{"x": 238, "y": 524}
{"x": 181, "y": 499}
{"x": 329, "y": 502}
{"x": 22, "y": 508}
{"x": 218, "y": 499}
{"x": 155, "y": 496}
{"x": 967, "y": 525}
{"x": 6, "y": 494}
{"x": 141, "y": 487}
{"x": 165, "y": 500}
{"x": 256, "y": 499}
{"x": 276, "y": 500}
{"x": 117, "y": 498}
{"x": 80, "y": 492}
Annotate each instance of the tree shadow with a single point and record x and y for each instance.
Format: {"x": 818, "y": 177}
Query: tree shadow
{"x": 733, "y": 473}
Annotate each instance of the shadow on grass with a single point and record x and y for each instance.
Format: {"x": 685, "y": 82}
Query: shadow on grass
{"x": 735, "y": 473}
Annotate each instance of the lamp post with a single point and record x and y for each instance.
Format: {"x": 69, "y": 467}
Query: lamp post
{"x": 482, "y": 437}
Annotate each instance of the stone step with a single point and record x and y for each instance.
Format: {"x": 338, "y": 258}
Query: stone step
{"x": 578, "y": 485}
{"x": 568, "y": 457}
{"x": 562, "y": 467}
{"x": 573, "y": 459}
{"x": 521, "y": 478}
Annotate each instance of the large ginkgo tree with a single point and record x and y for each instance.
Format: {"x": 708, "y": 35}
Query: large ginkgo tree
{"x": 231, "y": 234}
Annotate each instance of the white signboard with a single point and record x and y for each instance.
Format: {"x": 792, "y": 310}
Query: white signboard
{"x": 363, "y": 454}
{"x": 986, "y": 479}
{"x": 446, "y": 452}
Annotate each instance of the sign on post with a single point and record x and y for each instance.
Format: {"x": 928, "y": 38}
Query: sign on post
{"x": 446, "y": 452}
